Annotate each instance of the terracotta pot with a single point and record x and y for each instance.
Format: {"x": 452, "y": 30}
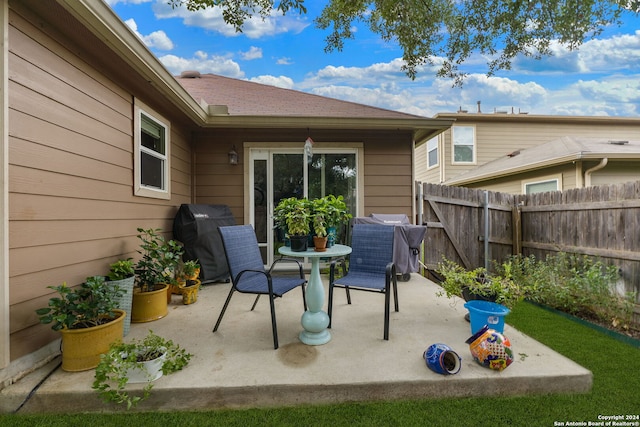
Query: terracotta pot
{"x": 149, "y": 306}
{"x": 320, "y": 243}
{"x": 81, "y": 348}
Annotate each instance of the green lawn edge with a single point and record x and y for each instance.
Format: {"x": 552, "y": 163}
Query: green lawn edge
{"x": 616, "y": 383}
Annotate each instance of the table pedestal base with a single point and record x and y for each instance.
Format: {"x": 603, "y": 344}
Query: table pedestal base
{"x": 315, "y": 328}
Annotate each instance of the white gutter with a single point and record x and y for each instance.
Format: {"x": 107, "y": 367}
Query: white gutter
{"x": 588, "y": 172}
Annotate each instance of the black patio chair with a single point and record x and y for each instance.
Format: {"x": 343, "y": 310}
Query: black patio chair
{"x": 248, "y": 274}
{"x": 371, "y": 267}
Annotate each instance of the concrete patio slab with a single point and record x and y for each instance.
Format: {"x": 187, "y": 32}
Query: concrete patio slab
{"x": 237, "y": 366}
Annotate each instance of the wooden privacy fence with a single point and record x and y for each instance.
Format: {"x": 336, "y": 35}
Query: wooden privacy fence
{"x": 474, "y": 227}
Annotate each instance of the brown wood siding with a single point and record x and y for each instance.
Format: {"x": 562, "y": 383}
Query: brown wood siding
{"x": 387, "y": 163}
{"x": 71, "y": 205}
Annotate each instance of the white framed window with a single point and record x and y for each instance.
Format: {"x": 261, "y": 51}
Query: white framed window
{"x": 432, "y": 152}
{"x": 541, "y": 185}
{"x": 464, "y": 144}
{"x": 151, "y": 153}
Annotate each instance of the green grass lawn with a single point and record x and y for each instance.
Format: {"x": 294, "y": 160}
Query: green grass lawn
{"x": 616, "y": 391}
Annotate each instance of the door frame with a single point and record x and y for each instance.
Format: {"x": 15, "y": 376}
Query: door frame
{"x": 250, "y": 148}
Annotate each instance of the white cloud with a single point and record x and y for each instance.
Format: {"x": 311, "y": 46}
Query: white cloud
{"x": 252, "y": 53}
{"x": 284, "y": 61}
{"x": 204, "y": 64}
{"x": 211, "y": 19}
{"x": 281, "y": 81}
{"x": 157, "y": 39}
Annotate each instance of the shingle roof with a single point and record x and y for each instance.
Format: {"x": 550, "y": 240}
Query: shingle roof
{"x": 555, "y": 152}
{"x": 245, "y": 98}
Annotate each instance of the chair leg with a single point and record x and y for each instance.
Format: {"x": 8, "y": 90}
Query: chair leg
{"x": 304, "y": 297}
{"x": 387, "y": 297}
{"x": 274, "y": 327}
{"x": 256, "y": 302}
{"x": 346, "y": 288}
{"x": 330, "y": 306}
{"x": 224, "y": 308}
{"x": 395, "y": 294}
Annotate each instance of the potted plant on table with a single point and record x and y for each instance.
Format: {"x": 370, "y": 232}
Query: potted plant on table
{"x": 337, "y": 215}
{"x": 88, "y": 320}
{"x": 139, "y": 361}
{"x": 122, "y": 275}
{"x": 319, "y": 214}
{"x": 155, "y": 271}
{"x": 296, "y": 215}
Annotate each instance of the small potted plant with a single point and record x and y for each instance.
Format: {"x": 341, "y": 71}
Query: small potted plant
{"x": 122, "y": 275}
{"x": 87, "y": 318}
{"x": 139, "y": 361}
{"x": 296, "y": 214}
{"x": 319, "y": 214}
{"x": 479, "y": 284}
{"x": 337, "y": 215}
{"x": 190, "y": 284}
{"x": 191, "y": 269}
{"x": 155, "y": 271}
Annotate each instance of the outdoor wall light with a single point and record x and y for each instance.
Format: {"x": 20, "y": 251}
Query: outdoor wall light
{"x": 233, "y": 156}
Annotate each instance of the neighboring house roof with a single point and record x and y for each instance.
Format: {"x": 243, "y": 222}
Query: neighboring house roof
{"x": 229, "y": 103}
{"x": 556, "y": 152}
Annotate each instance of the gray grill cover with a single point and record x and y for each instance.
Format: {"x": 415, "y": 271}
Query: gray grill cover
{"x": 196, "y": 226}
{"x": 406, "y": 239}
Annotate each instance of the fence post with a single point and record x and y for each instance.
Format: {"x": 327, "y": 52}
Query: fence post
{"x": 516, "y": 226}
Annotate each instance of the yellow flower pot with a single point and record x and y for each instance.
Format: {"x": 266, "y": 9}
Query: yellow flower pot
{"x": 81, "y": 348}
{"x": 149, "y": 306}
{"x": 190, "y": 293}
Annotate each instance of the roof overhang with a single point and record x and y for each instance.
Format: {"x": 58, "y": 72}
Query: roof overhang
{"x": 464, "y": 180}
{"x": 101, "y": 20}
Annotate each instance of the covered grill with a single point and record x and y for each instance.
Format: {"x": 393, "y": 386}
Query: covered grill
{"x": 196, "y": 226}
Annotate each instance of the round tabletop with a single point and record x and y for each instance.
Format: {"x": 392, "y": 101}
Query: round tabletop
{"x": 333, "y": 251}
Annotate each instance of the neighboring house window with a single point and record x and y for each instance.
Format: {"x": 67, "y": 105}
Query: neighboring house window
{"x": 152, "y": 143}
{"x": 432, "y": 152}
{"x": 463, "y": 144}
{"x": 540, "y": 186}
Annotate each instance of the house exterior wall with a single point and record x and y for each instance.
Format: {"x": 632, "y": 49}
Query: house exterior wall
{"x": 499, "y": 134}
{"x": 72, "y": 208}
{"x": 616, "y": 172}
{"x": 388, "y": 178}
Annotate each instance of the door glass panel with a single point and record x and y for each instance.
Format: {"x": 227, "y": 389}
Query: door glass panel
{"x": 288, "y": 181}
{"x": 334, "y": 174}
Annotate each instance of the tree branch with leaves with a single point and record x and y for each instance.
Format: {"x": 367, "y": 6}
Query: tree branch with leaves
{"x": 445, "y": 33}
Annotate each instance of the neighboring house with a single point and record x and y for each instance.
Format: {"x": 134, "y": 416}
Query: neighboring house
{"x": 560, "y": 164}
{"x": 99, "y": 139}
{"x": 478, "y": 138}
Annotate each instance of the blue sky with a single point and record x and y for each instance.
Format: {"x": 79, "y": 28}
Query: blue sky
{"x": 602, "y": 78}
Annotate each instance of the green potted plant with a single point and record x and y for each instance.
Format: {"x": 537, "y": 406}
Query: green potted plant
{"x": 155, "y": 271}
{"x": 296, "y": 215}
{"x": 189, "y": 284}
{"x": 88, "y": 320}
{"x": 337, "y": 215}
{"x": 319, "y": 215}
{"x": 479, "y": 284}
{"x": 191, "y": 269}
{"x": 122, "y": 275}
{"x": 139, "y": 361}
